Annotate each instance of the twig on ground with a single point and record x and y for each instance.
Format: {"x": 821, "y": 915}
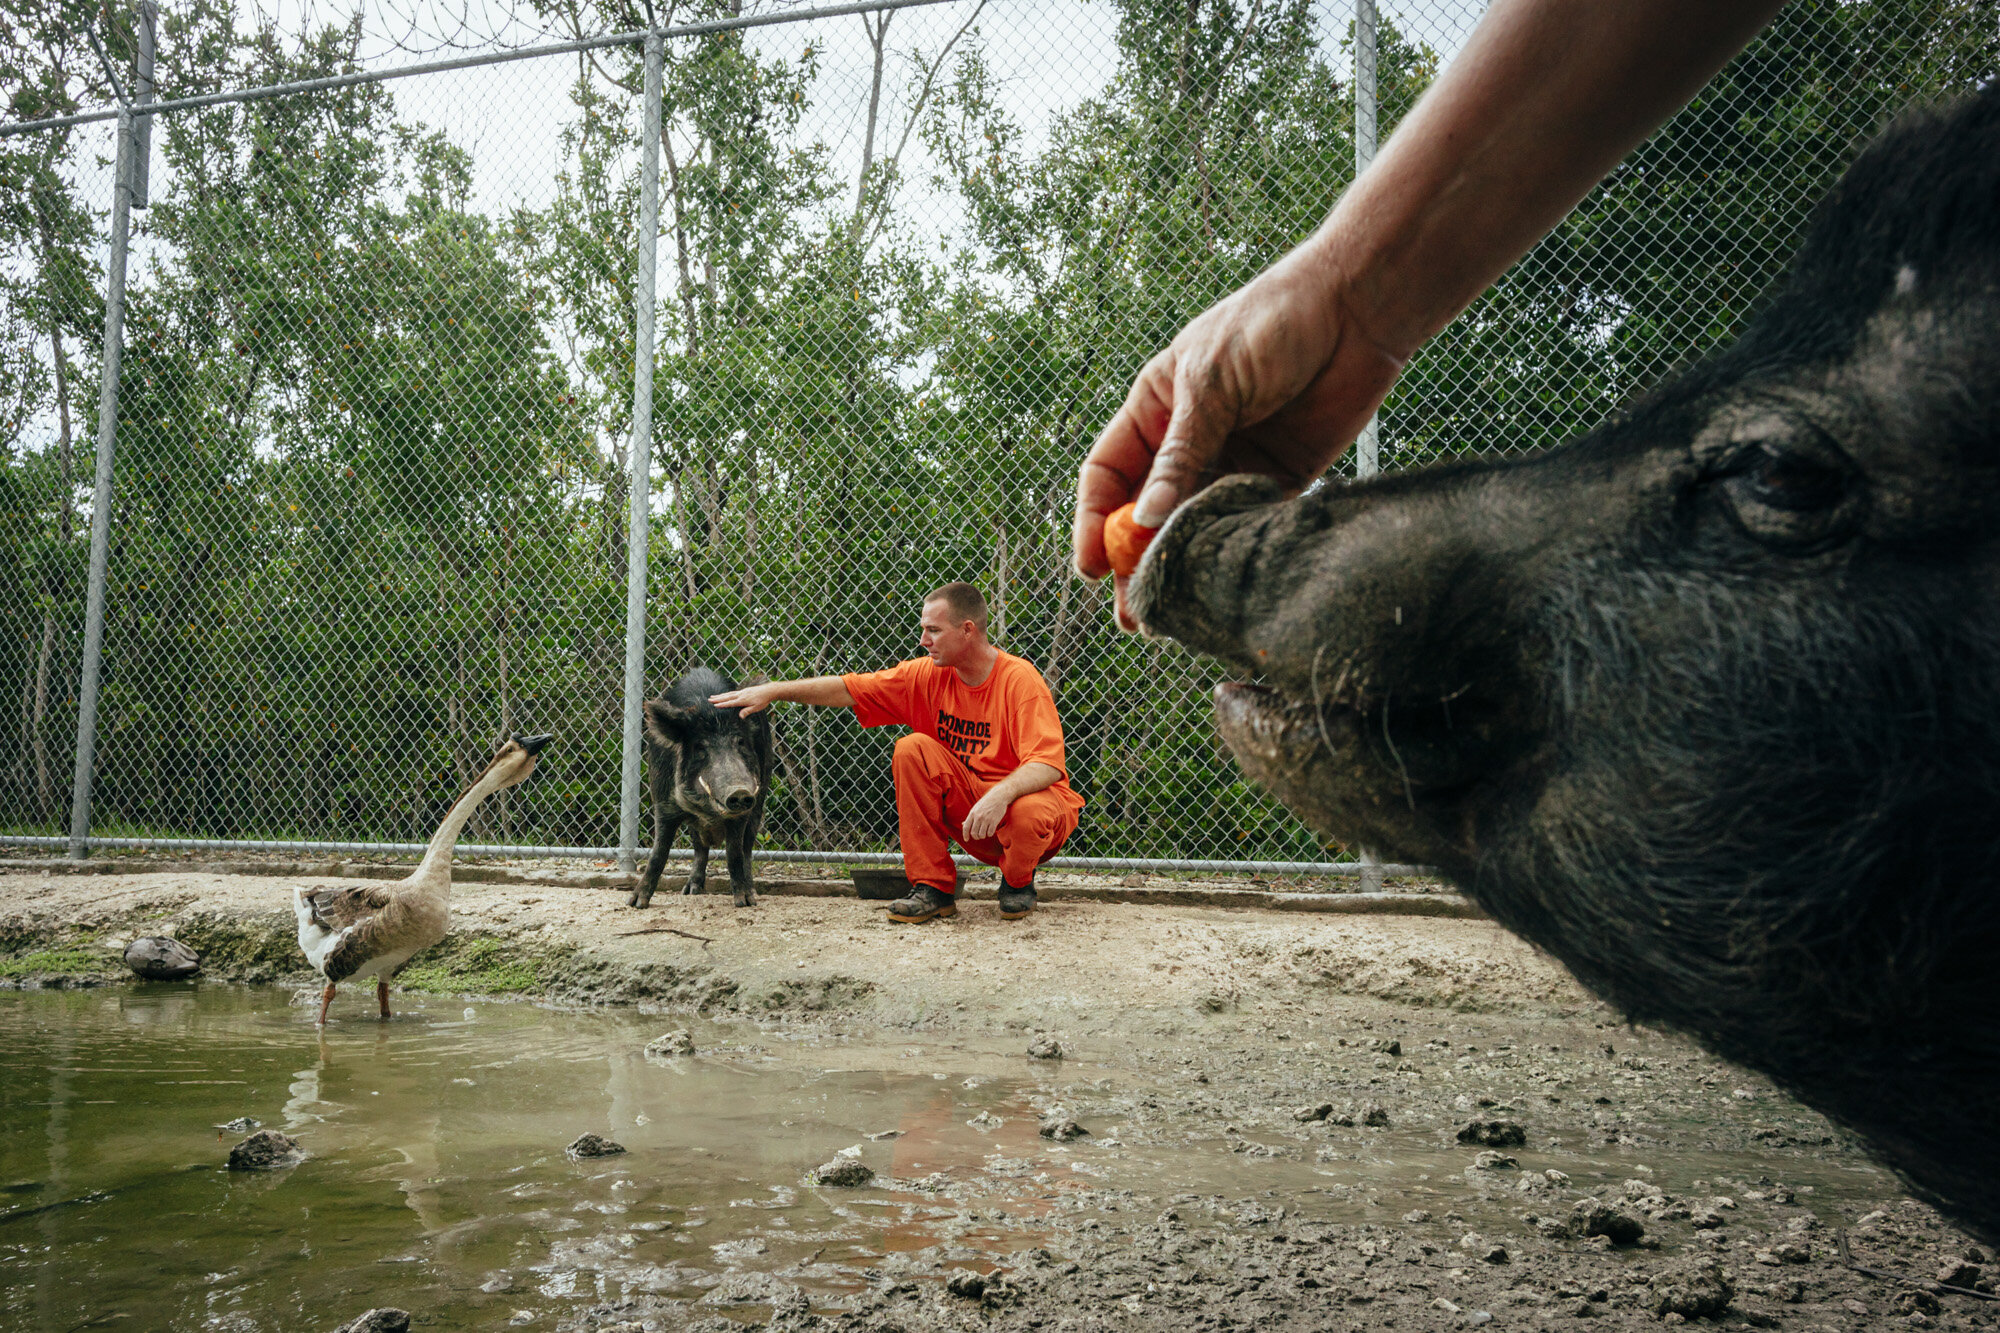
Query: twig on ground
{"x": 1848, "y": 1258}
{"x": 668, "y": 930}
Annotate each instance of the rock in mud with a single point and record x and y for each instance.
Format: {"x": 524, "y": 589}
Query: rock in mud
{"x": 842, "y": 1171}
{"x": 1494, "y": 1161}
{"x": 1493, "y": 1133}
{"x": 1376, "y": 1116}
{"x": 266, "y": 1150}
{"x": 670, "y": 1044}
{"x": 157, "y": 958}
{"x": 1959, "y": 1273}
{"x": 967, "y": 1284}
{"x": 1594, "y": 1217}
{"x": 1308, "y": 1114}
{"x": 242, "y": 1124}
{"x": 592, "y": 1145}
{"x": 1692, "y": 1289}
{"x": 384, "y": 1319}
{"x": 1045, "y": 1047}
{"x": 1062, "y": 1129}
{"x": 1385, "y": 1046}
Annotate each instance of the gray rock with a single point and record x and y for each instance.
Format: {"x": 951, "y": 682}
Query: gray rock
{"x": 845, "y": 1172}
{"x": 1493, "y": 1133}
{"x": 1594, "y": 1217}
{"x": 1045, "y": 1047}
{"x": 242, "y": 1124}
{"x": 157, "y": 958}
{"x": 1908, "y": 1303}
{"x": 1062, "y": 1129}
{"x": 385, "y": 1319}
{"x": 967, "y": 1284}
{"x": 1385, "y": 1045}
{"x": 1692, "y": 1289}
{"x": 266, "y": 1150}
{"x": 670, "y": 1044}
{"x": 1308, "y": 1114}
{"x": 592, "y": 1145}
{"x": 1376, "y": 1116}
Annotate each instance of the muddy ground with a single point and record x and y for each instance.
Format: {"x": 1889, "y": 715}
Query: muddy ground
{"x": 1595, "y": 1171}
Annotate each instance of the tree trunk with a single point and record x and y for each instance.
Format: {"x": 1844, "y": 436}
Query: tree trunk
{"x": 65, "y": 521}
{"x": 878, "y": 37}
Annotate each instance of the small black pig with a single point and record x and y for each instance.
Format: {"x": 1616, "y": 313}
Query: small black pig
{"x": 1707, "y": 702}
{"x": 710, "y": 769}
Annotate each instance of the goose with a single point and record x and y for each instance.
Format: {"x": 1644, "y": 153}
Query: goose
{"x": 353, "y": 934}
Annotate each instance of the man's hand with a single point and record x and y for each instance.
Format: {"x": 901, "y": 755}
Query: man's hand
{"x": 983, "y": 819}
{"x": 750, "y": 698}
{"x": 1277, "y": 378}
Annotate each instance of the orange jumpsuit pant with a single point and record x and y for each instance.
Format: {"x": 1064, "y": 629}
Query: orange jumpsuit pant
{"x": 934, "y": 793}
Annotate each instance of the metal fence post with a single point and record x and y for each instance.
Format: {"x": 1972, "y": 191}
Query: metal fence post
{"x": 643, "y": 318}
{"x": 1368, "y": 445}
{"x": 128, "y": 170}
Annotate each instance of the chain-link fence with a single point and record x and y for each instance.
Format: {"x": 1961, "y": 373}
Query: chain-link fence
{"x": 371, "y": 500}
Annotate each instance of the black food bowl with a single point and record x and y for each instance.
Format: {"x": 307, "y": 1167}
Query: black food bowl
{"x": 880, "y": 884}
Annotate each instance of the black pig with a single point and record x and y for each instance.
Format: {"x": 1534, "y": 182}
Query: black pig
{"x": 1707, "y": 702}
{"x": 710, "y": 770}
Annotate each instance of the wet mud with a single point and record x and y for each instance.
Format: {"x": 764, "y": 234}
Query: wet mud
{"x": 1286, "y": 1122}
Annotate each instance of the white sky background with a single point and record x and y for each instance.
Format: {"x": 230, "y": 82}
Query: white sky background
{"x": 1050, "y": 55}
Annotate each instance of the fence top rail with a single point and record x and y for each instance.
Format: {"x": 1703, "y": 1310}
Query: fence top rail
{"x": 333, "y": 81}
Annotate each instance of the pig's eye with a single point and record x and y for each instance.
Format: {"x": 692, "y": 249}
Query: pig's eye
{"x": 1792, "y": 482}
{"x": 1788, "y": 497}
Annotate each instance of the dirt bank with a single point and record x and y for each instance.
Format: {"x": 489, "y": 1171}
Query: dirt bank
{"x": 1077, "y": 963}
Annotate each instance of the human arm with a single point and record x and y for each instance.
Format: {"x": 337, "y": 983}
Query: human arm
{"x": 826, "y": 691}
{"x": 983, "y": 819}
{"x": 1278, "y": 377}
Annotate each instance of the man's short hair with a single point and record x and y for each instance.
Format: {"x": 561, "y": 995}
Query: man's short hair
{"x": 965, "y": 601}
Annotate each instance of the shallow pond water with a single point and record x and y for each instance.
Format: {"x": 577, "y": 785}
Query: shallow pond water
{"x": 436, "y": 1178}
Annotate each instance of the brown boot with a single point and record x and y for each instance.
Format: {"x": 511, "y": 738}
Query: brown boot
{"x": 923, "y": 903}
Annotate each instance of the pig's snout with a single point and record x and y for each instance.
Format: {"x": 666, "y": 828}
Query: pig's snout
{"x": 1192, "y": 584}
{"x": 738, "y": 800}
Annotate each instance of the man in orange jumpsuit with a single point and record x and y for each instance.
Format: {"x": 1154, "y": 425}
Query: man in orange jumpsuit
{"x": 982, "y": 765}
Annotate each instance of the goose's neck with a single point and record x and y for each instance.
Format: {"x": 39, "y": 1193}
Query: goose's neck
{"x": 435, "y": 871}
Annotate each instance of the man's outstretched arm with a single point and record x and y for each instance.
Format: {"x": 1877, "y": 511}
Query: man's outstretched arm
{"x": 826, "y": 691}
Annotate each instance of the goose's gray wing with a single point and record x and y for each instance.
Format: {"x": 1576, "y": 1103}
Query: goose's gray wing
{"x": 337, "y": 909}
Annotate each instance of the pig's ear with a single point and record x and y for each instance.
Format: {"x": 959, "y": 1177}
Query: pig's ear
{"x": 666, "y": 724}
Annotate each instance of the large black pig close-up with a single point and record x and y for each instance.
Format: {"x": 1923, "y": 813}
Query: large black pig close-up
{"x": 1706, "y": 703}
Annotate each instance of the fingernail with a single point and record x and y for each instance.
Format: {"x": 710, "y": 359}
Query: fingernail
{"x": 1155, "y": 503}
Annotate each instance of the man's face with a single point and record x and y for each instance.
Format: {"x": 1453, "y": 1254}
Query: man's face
{"x": 948, "y": 642}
